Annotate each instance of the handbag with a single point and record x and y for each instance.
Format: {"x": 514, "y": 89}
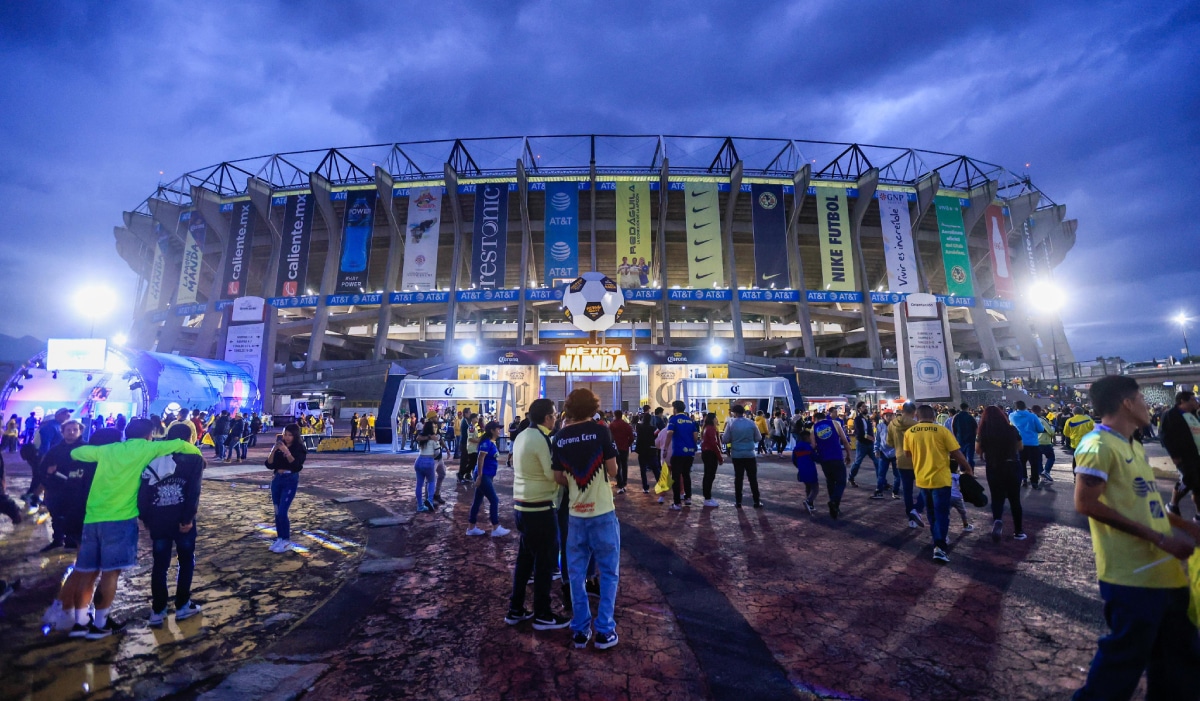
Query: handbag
{"x": 972, "y": 491}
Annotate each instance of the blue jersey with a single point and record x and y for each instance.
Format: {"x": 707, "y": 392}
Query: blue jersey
{"x": 802, "y": 458}
{"x": 487, "y": 458}
{"x": 829, "y": 441}
{"x": 683, "y": 437}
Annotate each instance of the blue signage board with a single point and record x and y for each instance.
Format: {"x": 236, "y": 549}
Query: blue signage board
{"x": 831, "y": 296}
{"x": 769, "y": 295}
{"x": 1004, "y": 304}
{"x": 952, "y": 301}
{"x": 651, "y": 294}
{"x": 544, "y": 294}
{"x": 347, "y": 300}
{"x": 293, "y": 302}
{"x": 487, "y": 295}
{"x": 190, "y": 309}
{"x": 699, "y": 295}
{"x": 430, "y": 297}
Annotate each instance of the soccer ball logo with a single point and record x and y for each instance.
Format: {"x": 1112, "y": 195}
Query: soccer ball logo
{"x": 593, "y": 302}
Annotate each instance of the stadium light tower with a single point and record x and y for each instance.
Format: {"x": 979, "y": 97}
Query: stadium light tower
{"x": 94, "y": 303}
{"x": 1182, "y": 319}
{"x": 1047, "y": 300}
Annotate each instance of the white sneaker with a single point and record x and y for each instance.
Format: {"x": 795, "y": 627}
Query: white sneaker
{"x": 500, "y": 531}
{"x": 474, "y": 530}
{"x": 188, "y": 610}
{"x": 279, "y": 546}
{"x": 156, "y": 617}
{"x": 912, "y": 524}
{"x": 968, "y": 528}
{"x": 711, "y": 502}
{"x": 52, "y": 614}
{"x": 661, "y": 499}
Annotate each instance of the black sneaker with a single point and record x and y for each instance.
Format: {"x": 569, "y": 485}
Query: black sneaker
{"x": 833, "y": 510}
{"x": 606, "y": 640}
{"x": 853, "y": 484}
{"x": 52, "y": 545}
{"x": 812, "y": 509}
{"x": 513, "y": 617}
{"x": 551, "y": 622}
{"x": 78, "y": 631}
{"x": 429, "y": 505}
{"x": 97, "y": 632}
{"x": 580, "y": 640}
{"x": 437, "y": 499}
{"x": 877, "y": 495}
{"x": 758, "y": 504}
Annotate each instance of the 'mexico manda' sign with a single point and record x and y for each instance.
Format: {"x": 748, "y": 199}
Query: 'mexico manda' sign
{"x": 592, "y": 359}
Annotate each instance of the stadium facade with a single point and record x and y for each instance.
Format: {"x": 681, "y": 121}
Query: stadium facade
{"x": 778, "y": 252}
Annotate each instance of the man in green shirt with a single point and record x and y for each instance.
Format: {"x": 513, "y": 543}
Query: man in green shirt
{"x": 110, "y": 530}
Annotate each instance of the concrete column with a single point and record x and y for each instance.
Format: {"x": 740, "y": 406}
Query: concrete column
{"x": 386, "y": 186}
{"x": 664, "y": 183}
{"x": 144, "y": 332}
{"x": 981, "y": 198}
{"x": 260, "y": 194}
{"x": 796, "y": 262}
{"x": 927, "y": 188}
{"x": 735, "y": 302}
{"x": 456, "y": 217}
{"x": 526, "y": 248}
{"x": 866, "y": 184}
{"x": 209, "y": 204}
{"x": 166, "y": 215}
{"x": 1019, "y": 210}
{"x": 321, "y": 190}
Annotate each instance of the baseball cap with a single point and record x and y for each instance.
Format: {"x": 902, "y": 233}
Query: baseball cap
{"x": 62, "y": 412}
{"x": 889, "y": 411}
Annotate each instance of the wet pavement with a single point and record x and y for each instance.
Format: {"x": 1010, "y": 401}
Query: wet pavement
{"x": 713, "y": 603}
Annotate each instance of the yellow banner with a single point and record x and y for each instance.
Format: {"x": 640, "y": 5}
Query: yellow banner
{"x": 837, "y": 255}
{"x": 467, "y": 372}
{"x": 720, "y": 407}
{"x": 634, "y": 252}
{"x": 702, "y": 214}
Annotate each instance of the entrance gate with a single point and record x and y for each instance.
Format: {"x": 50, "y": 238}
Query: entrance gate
{"x": 451, "y": 391}
{"x": 735, "y": 388}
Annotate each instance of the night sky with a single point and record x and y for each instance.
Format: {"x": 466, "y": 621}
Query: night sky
{"x": 1102, "y": 100}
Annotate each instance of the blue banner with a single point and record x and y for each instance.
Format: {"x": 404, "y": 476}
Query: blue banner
{"x": 1004, "y": 304}
{"x": 237, "y": 249}
{"x": 544, "y": 294}
{"x": 223, "y": 304}
{"x": 490, "y": 243}
{"x": 191, "y": 309}
{"x": 770, "y": 237}
{"x": 488, "y": 295}
{"x": 286, "y": 302}
{"x": 349, "y": 300}
{"x": 646, "y": 293}
{"x": 831, "y": 296}
{"x": 432, "y": 297}
{"x": 956, "y": 301}
{"x": 358, "y": 223}
{"x": 699, "y": 295}
{"x": 769, "y": 295}
{"x": 562, "y": 232}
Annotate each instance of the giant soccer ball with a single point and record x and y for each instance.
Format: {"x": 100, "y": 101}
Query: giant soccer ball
{"x": 593, "y": 302}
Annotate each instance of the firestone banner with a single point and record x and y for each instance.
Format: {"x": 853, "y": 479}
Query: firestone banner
{"x": 421, "y": 238}
{"x": 993, "y": 217}
{"x": 562, "y": 232}
{"x": 157, "y": 270}
{"x": 237, "y": 250}
{"x": 293, "y": 254}
{"x": 634, "y": 252}
{"x": 837, "y": 255}
{"x": 193, "y": 256}
{"x": 490, "y": 244}
{"x": 898, "y": 251}
{"x": 955, "y": 258}
{"x": 770, "y": 237}
{"x": 358, "y": 223}
{"x": 702, "y": 217}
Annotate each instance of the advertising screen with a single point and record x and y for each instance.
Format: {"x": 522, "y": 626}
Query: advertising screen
{"x": 75, "y": 353}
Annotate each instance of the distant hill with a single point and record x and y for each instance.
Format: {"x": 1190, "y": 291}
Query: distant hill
{"x": 18, "y": 350}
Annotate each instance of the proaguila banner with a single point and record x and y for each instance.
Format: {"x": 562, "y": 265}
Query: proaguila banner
{"x": 293, "y": 254}
{"x": 421, "y": 238}
{"x": 358, "y": 223}
{"x": 193, "y": 255}
{"x": 490, "y": 244}
{"x": 562, "y": 232}
{"x": 898, "y": 251}
{"x": 955, "y": 259}
{"x": 702, "y": 217}
{"x": 237, "y": 250}
{"x": 993, "y": 217}
{"x": 770, "y": 237}
{"x": 837, "y": 254}
{"x": 634, "y": 252}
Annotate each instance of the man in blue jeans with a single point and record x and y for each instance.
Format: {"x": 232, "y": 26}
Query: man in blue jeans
{"x": 931, "y": 446}
{"x": 964, "y": 427}
{"x": 584, "y": 459}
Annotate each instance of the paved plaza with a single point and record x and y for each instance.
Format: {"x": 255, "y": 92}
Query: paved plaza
{"x": 718, "y": 603}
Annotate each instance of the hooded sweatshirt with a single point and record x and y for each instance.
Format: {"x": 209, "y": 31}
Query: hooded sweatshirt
{"x": 170, "y": 493}
{"x": 895, "y": 439}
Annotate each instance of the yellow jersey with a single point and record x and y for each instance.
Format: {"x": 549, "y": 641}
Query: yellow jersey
{"x": 929, "y": 445}
{"x": 1077, "y": 427}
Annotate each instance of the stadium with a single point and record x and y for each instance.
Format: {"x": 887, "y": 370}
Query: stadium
{"x": 737, "y": 257}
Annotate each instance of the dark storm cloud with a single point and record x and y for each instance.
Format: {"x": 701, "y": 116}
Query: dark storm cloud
{"x": 1100, "y": 99}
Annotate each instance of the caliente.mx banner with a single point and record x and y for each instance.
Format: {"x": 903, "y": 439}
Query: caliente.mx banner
{"x": 237, "y": 250}
{"x": 293, "y": 254}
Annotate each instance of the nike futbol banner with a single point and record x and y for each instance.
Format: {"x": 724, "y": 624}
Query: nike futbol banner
{"x": 702, "y": 217}
{"x": 898, "y": 250}
{"x": 770, "y": 237}
{"x": 193, "y": 256}
{"x": 634, "y": 252}
{"x": 421, "y": 238}
{"x": 154, "y": 284}
{"x": 562, "y": 232}
{"x": 293, "y": 254}
{"x": 837, "y": 255}
{"x": 490, "y": 243}
{"x": 955, "y": 259}
{"x": 993, "y": 217}
{"x": 358, "y": 223}
{"x": 237, "y": 250}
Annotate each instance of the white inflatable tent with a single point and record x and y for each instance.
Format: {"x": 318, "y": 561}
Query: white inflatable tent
{"x": 734, "y": 388}
{"x": 451, "y": 390}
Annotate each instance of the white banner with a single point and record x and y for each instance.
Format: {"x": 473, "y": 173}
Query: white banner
{"x": 243, "y": 348}
{"x": 927, "y": 360}
{"x": 154, "y": 283}
{"x": 897, "y": 242}
{"x": 421, "y": 238}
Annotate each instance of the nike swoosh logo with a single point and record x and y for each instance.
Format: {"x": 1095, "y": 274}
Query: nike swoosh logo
{"x": 701, "y": 277}
{"x": 700, "y": 243}
{"x": 697, "y": 194}
{"x": 701, "y": 260}
{"x": 694, "y": 210}
{"x": 1128, "y": 460}
{"x": 701, "y": 226}
{"x": 771, "y": 277}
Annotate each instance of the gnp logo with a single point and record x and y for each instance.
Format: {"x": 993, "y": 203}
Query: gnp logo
{"x": 290, "y": 288}
{"x": 561, "y": 201}
{"x": 426, "y": 200}
{"x": 767, "y": 200}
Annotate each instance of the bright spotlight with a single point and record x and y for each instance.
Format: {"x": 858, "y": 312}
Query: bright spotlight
{"x": 119, "y": 339}
{"x": 1182, "y": 319}
{"x": 714, "y": 351}
{"x": 95, "y": 302}
{"x": 468, "y": 351}
{"x": 1045, "y": 296}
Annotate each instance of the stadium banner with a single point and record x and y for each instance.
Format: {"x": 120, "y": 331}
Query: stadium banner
{"x": 562, "y": 232}
{"x": 993, "y": 217}
{"x": 490, "y": 244}
{"x": 702, "y": 215}
{"x": 833, "y": 223}
{"x": 358, "y": 224}
{"x": 237, "y": 249}
{"x": 157, "y": 269}
{"x": 770, "y": 237}
{"x": 421, "y": 238}
{"x": 293, "y": 254}
{"x": 898, "y": 249}
{"x": 244, "y": 347}
{"x": 955, "y": 259}
{"x": 193, "y": 256}
{"x": 634, "y": 252}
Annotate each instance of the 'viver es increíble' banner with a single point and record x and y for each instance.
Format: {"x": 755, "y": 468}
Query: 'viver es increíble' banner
{"x": 490, "y": 243}
{"x": 770, "y": 237}
{"x": 193, "y": 255}
{"x": 421, "y": 238}
{"x": 634, "y": 252}
{"x": 837, "y": 255}
{"x": 562, "y": 232}
{"x": 898, "y": 251}
{"x": 358, "y": 223}
{"x": 955, "y": 259}
{"x": 237, "y": 250}
{"x": 993, "y": 218}
{"x": 293, "y": 254}
{"x": 702, "y": 217}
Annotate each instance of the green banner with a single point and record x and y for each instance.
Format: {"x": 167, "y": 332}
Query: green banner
{"x": 837, "y": 253}
{"x": 702, "y": 214}
{"x": 634, "y": 258}
{"x": 955, "y": 258}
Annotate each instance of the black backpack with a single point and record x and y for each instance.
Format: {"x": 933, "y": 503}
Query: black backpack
{"x": 972, "y": 490}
